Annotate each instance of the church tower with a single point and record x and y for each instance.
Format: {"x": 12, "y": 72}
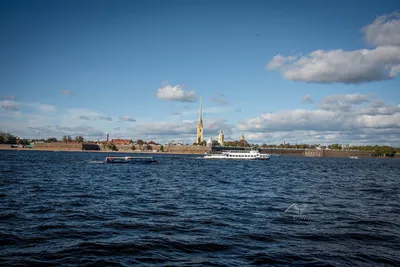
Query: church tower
{"x": 221, "y": 138}
{"x": 200, "y": 134}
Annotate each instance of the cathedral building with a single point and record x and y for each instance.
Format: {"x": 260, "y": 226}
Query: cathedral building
{"x": 200, "y": 130}
{"x": 221, "y": 138}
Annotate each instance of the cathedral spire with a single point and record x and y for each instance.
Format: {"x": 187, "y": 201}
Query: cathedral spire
{"x": 201, "y": 112}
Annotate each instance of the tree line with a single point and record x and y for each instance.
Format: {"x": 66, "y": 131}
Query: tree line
{"x": 8, "y": 138}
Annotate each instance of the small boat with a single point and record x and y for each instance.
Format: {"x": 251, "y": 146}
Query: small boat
{"x": 135, "y": 160}
{"x": 353, "y": 157}
{"x": 237, "y": 154}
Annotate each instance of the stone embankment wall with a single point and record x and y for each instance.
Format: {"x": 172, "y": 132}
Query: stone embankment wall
{"x": 284, "y": 152}
{"x": 59, "y": 146}
{"x": 193, "y": 150}
{"x": 343, "y": 154}
{"x": 186, "y": 149}
{"x": 318, "y": 153}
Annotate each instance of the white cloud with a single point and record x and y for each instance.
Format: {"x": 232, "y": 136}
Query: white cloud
{"x": 17, "y": 105}
{"x": 44, "y": 107}
{"x": 358, "y": 66}
{"x": 343, "y": 102}
{"x": 176, "y": 93}
{"x": 385, "y": 30}
{"x": 126, "y": 118}
{"x": 307, "y": 99}
{"x": 364, "y": 120}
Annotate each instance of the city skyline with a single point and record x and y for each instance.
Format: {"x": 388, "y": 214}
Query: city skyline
{"x": 277, "y": 71}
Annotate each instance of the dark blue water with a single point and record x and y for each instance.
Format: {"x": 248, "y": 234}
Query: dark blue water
{"x": 66, "y": 208}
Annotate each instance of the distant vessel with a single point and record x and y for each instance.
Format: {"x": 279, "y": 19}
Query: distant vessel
{"x": 237, "y": 154}
{"x": 143, "y": 160}
{"x": 353, "y": 157}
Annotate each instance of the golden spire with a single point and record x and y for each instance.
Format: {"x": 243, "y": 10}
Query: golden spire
{"x": 201, "y": 112}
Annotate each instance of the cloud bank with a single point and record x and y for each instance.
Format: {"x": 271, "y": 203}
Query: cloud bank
{"x": 350, "y": 67}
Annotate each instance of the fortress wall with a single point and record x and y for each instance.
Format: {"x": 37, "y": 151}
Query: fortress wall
{"x": 58, "y": 146}
{"x": 186, "y": 149}
{"x": 284, "y": 152}
{"x": 344, "y": 154}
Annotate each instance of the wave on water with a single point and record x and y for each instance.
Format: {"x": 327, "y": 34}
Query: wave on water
{"x": 96, "y": 162}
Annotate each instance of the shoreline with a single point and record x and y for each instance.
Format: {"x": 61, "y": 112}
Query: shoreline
{"x": 156, "y": 153}
{"x": 97, "y": 151}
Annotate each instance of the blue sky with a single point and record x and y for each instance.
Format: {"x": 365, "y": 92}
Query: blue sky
{"x": 275, "y": 70}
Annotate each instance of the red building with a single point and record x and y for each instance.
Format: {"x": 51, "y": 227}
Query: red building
{"x": 121, "y": 141}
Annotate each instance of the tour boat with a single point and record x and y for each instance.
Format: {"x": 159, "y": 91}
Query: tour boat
{"x": 237, "y": 154}
{"x": 144, "y": 160}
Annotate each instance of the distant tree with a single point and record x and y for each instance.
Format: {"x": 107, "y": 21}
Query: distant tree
{"x": 51, "y": 140}
{"x": 79, "y": 139}
{"x": 7, "y": 138}
{"x": 110, "y": 146}
{"x": 215, "y": 143}
{"x": 161, "y": 148}
{"x": 139, "y": 142}
{"x": 133, "y": 148}
{"x": 149, "y": 147}
{"x": 335, "y": 146}
{"x": 64, "y": 139}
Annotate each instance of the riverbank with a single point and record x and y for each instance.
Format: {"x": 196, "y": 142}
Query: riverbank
{"x": 197, "y": 150}
{"x": 100, "y": 151}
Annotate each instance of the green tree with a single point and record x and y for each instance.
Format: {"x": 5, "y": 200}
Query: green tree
{"x": 162, "y": 148}
{"x": 139, "y": 142}
{"x": 110, "y": 146}
{"x": 215, "y": 143}
{"x": 51, "y": 140}
{"x": 79, "y": 139}
{"x": 7, "y": 138}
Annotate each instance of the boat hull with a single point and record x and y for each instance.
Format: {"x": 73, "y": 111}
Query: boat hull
{"x": 130, "y": 160}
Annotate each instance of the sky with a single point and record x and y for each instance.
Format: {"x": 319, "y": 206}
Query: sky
{"x": 277, "y": 71}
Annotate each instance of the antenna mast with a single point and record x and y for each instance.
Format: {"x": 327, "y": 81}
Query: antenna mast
{"x": 341, "y": 147}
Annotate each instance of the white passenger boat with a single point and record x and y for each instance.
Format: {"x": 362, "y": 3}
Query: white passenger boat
{"x": 237, "y": 154}
{"x": 143, "y": 160}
